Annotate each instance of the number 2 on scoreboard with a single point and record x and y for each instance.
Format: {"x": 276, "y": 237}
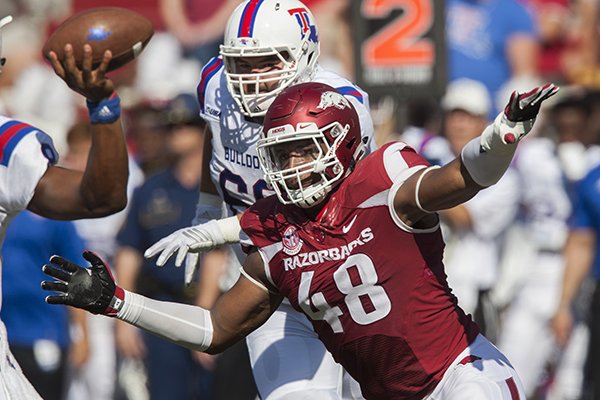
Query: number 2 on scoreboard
{"x": 401, "y": 42}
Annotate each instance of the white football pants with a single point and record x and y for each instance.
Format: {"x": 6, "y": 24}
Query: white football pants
{"x": 526, "y": 337}
{"x": 481, "y": 371}
{"x": 290, "y": 362}
{"x": 13, "y": 383}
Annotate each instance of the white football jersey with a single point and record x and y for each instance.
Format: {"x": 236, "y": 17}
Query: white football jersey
{"x": 234, "y": 166}
{"x": 546, "y": 204}
{"x": 25, "y": 154}
{"x": 432, "y": 147}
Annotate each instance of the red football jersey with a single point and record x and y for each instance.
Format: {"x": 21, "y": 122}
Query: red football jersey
{"x": 374, "y": 289}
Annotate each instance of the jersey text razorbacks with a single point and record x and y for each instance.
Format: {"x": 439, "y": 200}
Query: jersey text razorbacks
{"x": 335, "y": 253}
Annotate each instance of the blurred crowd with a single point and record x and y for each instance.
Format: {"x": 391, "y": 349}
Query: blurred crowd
{"x": 505, "y": 254}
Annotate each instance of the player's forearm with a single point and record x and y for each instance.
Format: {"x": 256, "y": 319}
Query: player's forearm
{"x": 486, "y": 158}
{"x": 523, "y": 53}
{"x": 78, "y": 326}
{"x": 446, "y": 187}
{"x": 481, "y": 164}
{"x": 127, "y": 263}
{"x": 214, "y": 265}
{"x": 578, "y": 254}
{"x": 212, "y": 29}
{"x": 174, "y": 16}
{"x": 183, "y": 324}
{"x": 104, "y": 184}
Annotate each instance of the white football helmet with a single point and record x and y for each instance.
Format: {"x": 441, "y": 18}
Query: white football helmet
{"x": 4, "y": 21}
{"x": 257, "y": 28}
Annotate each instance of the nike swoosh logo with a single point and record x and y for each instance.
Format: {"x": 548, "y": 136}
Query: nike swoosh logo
{"x": 346, "y": 228}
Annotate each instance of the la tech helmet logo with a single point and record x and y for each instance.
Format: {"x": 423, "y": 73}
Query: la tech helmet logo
{"x": 291, "y": 241}
{"x": 304, "y": 22}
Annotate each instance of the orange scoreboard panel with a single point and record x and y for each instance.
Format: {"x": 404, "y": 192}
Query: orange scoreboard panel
{"x": 399, "y": 46}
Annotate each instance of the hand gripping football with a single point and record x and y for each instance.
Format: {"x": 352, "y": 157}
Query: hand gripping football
{"x": 124, "y": 32}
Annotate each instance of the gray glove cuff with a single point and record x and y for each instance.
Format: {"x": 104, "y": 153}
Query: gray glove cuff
{"x": 209, "y": 207}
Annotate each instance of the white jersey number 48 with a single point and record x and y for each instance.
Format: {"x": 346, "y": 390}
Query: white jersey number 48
{"x": 367, "y": 287}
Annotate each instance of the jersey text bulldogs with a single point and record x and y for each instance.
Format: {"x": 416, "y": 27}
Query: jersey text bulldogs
{"x": 245, "y": 160}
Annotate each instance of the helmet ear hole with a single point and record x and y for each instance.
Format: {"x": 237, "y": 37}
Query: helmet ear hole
{"x": 350, "y": 143}
{"x": 286, "y": 56}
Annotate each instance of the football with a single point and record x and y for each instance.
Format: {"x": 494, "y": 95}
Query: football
{"x": 124, "y": 32}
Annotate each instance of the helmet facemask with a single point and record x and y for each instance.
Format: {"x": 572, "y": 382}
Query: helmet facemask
{"x": 290, "y": 183}
{"x": 245, "y": 87}
{"x": 284, "y": 31}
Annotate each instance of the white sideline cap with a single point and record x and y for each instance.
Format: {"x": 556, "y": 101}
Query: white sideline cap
{"x": 468, "y": 95}
{"x": 5, "y": 21}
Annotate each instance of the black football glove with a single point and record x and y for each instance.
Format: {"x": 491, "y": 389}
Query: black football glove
{"x": 518, "y": 117}
{"x": 92, "y": 289}
{"x": 525, "y": 106}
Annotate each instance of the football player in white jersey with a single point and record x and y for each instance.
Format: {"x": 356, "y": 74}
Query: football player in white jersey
{"x": 268, "y": 46}
{"x": 30, "y": 180}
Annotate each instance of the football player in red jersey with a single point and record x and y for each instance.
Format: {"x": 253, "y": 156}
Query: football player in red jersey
{"x": 353, "y": 243}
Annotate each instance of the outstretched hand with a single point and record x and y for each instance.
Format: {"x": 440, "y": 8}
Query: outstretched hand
{"x": 92, "y": 84}
{"x": 525, "y": 106}
{"x": 521, "y": 111}
{"x": 92, "y": 289}
{"x": 486, "y": 158}
{"x": 194, "y": 239}
{"x": 517, "y": 119}
{"x": 205, "y": 212}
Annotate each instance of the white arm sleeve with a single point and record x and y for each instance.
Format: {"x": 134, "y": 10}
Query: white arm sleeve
{"x": 487, "y": 157}
{"x": 183, "y": 324}
{"x": 486, "y": 168}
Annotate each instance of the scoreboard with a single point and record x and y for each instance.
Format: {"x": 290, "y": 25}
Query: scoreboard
{"x": 399, "y": 46}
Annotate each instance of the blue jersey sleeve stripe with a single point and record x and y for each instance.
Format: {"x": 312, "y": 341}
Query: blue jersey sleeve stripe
{"x": 6, "y": 127}
{"x": 12, "y": 138}
{"x": 351, "y": 91}
{"x": 208, "y": 72}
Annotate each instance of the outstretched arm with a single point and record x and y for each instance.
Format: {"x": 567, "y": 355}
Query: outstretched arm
{"x": 242, "y": 309}
{"x": 482, "y": 163}
{"x": 102, "y": 188}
